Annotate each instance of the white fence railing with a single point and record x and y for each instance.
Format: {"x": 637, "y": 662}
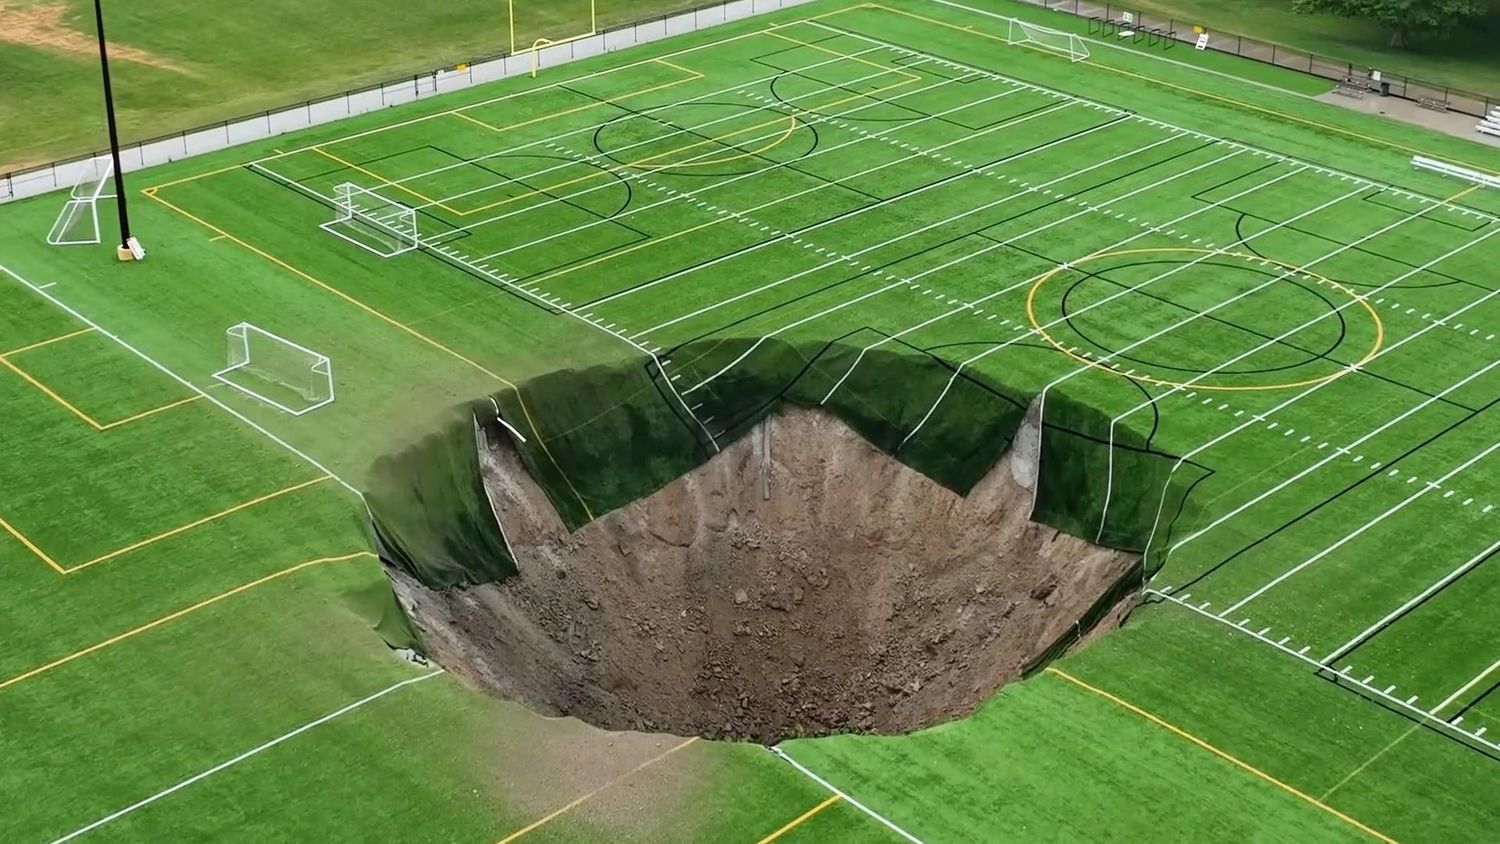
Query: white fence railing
{"x": 64, "y": 174}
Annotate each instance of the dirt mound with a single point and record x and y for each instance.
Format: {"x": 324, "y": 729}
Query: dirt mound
{"x": 800, "y": 583}
{"x": 46, "y": 25}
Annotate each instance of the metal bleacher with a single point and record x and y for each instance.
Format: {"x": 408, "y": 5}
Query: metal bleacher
{"x": 1491, "y": 124}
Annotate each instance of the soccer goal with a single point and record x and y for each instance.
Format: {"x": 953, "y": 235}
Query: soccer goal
{"x": 1065, "y": 43}
{"x": 272, "y": 369}
{"x": 372, "y": 222}
{"x": 78, "y": 224}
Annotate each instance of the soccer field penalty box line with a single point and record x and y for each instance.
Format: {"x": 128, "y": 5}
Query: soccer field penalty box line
{"x": 8, "y": 364}
{"x": 152, "y": 540}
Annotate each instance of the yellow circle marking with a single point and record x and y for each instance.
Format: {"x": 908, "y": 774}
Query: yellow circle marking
{"x": 1340, "y": 372}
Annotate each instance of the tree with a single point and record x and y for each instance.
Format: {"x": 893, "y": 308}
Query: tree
{"x": 1406, "y": 19}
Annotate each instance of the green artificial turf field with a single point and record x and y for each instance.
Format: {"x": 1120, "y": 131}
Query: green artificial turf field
{"x": 1233, "y": 275}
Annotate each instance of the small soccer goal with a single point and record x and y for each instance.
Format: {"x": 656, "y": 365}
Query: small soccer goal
{"x": 78, "y": 224}
{"x": 272, "y": 369}
{"x": 1064, "y": 43}
{"x": 372, "y": 222}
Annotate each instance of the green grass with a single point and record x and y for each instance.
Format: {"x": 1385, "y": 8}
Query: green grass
{"x": 1466, "y": 60}
{"x": 1045, "y": 760}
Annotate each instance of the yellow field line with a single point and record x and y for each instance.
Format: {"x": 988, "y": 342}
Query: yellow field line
{"x": 915, "y": 77}
{"x": 152, "y": 192}
{"x": 70, "y": 335}
{"x": 1368, "y": 762}
{"x": 573, "y": 805}
{"x": 657, "y": 241}
{"x": 1280, "y": 115}
{"x": 386, "y": 182}
{"x": 1233, "y": 760}
{"x": 173, "y": 616}
{"x": 805, "y": 816}
{"x": 199, "y": 523}
{"x": 693, "y": 76}
{"x": 31, "y": 546}
{"x": 152, "y": 412}
{"x": 50, "y": 394}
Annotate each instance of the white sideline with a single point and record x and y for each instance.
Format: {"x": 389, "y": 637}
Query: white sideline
{"x": 879, "y": 204}
{"x": 1314, "y": 388}
{"x": 999, "y": 245}
{"x": 167, "y": 792}
{"x": 1032, "y": 280}
{"x": 1288, "y": 273}
{"x": 642, "y": 177}
{"x": 1357, "y": 532}
{"x": 881, "y": 819}
{"x": 1395, "y": 703}
{"x": 1465, "y": 568}
{"x": 41, "y": 291}
{"x": 1328, "y": 171}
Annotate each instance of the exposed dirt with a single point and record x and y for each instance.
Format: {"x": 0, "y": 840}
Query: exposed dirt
{"x": 859, "y": 596}
{"x": 46, "y": 25}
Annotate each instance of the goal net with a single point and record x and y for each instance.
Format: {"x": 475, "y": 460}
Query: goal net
{"x": 272, "y": 369}
{"x": 372, "y": 222}
{"x": 78, "y": 224}
{"x": 1065, "y": 43}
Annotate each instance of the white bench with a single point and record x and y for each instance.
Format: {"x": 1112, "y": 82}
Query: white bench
{"x": 1475, "y": 176}
{"x": 1488, "y": 128}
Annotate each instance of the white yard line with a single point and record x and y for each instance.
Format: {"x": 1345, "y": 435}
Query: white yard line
{"x": 1290, "y": 273}
{"x": 713, "y": 186}
{"x": 1462, "y": 690}
{"x": 1406, "y": 705}
{"x": 1359, "y": 531}
{"x": 1316, "y": 387}
{"x": 167, "y": 792}
{"x": 879, "y": 818}
{"x": 1032, "y": 280}
{"x": 1468, "y": 566}
{"x": 1336, "y": 453}
{"x": 1328, "y": 171}
{"x": 998, "y": 245}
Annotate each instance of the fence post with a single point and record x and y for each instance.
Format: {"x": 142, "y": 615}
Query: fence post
{"x": 1273, "y": 54}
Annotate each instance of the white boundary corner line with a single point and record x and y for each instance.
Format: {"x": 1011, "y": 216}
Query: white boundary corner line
{"x": 167, "y": 792}
{"x": 881, "y": 819}
{"x": 71, "y": 311}
{"x": 1405, "y": 706}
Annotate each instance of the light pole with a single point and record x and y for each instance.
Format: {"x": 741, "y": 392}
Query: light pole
{"x": 126, "y": 247}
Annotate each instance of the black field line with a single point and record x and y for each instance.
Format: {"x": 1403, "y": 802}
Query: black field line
{"x": 1148, "y": 230}
{"x": 985, "y": 250}
{"x": 1316, "y": 387}
{"x": 1299, "y": 271}
{"x": 1319, "y": 168}
{"x": 1405, "y": 707}
{"x": 825, "y": 183}
{"x": 513, "y": 150}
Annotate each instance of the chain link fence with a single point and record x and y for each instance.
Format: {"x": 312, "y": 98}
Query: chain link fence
{"x": 1268, "y": 52}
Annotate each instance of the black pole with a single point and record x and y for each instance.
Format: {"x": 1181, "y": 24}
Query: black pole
{"x": 114, "y": 132}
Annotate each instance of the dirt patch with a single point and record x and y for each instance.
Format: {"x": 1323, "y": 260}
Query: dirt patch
{"x": 801, "y": 583}
{"x": 45, "y": 25}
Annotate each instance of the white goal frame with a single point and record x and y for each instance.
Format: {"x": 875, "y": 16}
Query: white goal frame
{"x": 320, "y": 369}
{"x": 1065, "y": 43}
{"x": 91, "y": 186}
{"x": 393, "y": 225}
